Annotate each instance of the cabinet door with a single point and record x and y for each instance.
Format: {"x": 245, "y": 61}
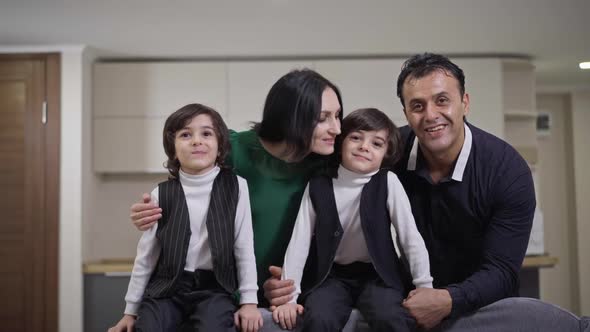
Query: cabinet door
{"x": 366, "y": 83}
{"x": 104, "y": 300}
{"x": 128, "y": 145}
{"x": 249, "y": 83}
{"x": 157, "y": 89}
{"x": 132, "y": 101}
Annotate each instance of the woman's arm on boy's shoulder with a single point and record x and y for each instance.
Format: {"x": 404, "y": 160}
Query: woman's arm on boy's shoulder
{"x": 410, "y": 240}
{"x": 244, "y": 247}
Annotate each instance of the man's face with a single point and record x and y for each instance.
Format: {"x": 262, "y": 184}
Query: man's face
{"x": 434, "y": 109}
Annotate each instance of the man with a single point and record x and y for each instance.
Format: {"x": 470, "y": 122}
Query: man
{"x": 473, "y": 200}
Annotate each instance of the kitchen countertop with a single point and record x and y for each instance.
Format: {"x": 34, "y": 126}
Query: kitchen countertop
{"x": 125, "y": 265}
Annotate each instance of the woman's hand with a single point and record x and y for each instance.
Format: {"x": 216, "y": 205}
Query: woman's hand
{"x": 145, "y": 213}
{"x": 277, "y": 291}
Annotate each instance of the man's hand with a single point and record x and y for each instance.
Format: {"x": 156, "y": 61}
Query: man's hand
{"x": 277, "y": 291}
{"x": 145, "y": 214}
{"x": 428, "y": 306}
{"x": 124, "y": 325}
{"x": 248, "y": 318}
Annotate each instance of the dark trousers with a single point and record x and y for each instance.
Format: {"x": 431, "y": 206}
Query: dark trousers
{"x": 198, "y": 304}
{"x": 328, "y": 307}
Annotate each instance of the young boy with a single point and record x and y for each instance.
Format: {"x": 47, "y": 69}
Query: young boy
{"x": 190, "y": 264}
{"x": 342, "y": 251}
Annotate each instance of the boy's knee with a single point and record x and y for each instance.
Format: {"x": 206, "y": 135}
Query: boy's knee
{"x": 322, "y": 321}
{"x": 390, "y": 319}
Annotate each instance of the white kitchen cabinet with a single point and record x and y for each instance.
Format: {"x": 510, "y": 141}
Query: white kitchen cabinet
{"x": 132, "y": 100}
{"x": 129, "y": 145}
{"x": 366, "y": 83}
{"x": 140, "y": 89}
{"x": 249, "y": 82}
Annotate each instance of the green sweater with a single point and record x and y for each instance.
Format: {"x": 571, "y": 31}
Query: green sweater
{"x": 276, "y": 188}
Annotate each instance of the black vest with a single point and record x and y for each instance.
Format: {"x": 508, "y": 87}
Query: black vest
{"x": 174, "y": 234}
{"x": 375, "y": 223}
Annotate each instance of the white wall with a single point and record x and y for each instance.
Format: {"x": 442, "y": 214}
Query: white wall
{"x": 557, "y": 200}
{"x": 554, "y": 33}
{"x": 581, "y": 138}
{"x": 70, "y": 225}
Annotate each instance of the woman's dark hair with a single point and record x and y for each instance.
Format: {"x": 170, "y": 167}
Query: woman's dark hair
{"x": 182, "y": 117}
{"x": 372, "y": 119}
{"x": 292, "y": 110}
{"x": 421, "y": 65}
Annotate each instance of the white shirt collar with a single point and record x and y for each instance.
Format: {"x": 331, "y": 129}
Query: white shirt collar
{"x": 461, "y": 161}
{"x": 350, "y": 178}
{"x": 198, "y": 180}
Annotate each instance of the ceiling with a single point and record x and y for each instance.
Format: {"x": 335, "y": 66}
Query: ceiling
{"x": 553, "y": 33}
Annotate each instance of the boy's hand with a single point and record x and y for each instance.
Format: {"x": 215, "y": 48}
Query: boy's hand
{"x": 277, "y": 291}
{"x": 286, "y": 315}
{"x": 145, "y": 214}
{"x": 248, "y": 318}
{"x": 124, "y": 325}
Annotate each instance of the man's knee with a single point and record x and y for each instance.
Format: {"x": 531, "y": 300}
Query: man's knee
{"x": 516, "y": 314}
{"x": 528, "y": 307}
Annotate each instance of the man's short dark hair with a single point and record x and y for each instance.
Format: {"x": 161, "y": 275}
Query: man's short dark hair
{"x": 421, "y": 65}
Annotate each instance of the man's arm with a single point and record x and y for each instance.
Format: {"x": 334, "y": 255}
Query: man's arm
{"x": 505, "y": 242}
{"x": 504, "y": 247}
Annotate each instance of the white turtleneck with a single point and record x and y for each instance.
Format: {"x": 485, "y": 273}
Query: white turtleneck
{"x": 197, "y": 191}
{"x": 353, "y": 248}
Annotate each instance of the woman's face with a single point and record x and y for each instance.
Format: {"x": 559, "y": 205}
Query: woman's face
{"x": 325, "y": 132}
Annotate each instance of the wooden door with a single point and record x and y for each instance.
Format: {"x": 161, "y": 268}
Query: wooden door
{"x": 29, "y": 159}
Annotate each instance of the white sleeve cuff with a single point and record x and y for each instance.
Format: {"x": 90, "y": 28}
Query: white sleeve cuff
{"x": 131, "y": 308}
{"x": 424, "y": 284}
{"x": 248, "y": 297}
